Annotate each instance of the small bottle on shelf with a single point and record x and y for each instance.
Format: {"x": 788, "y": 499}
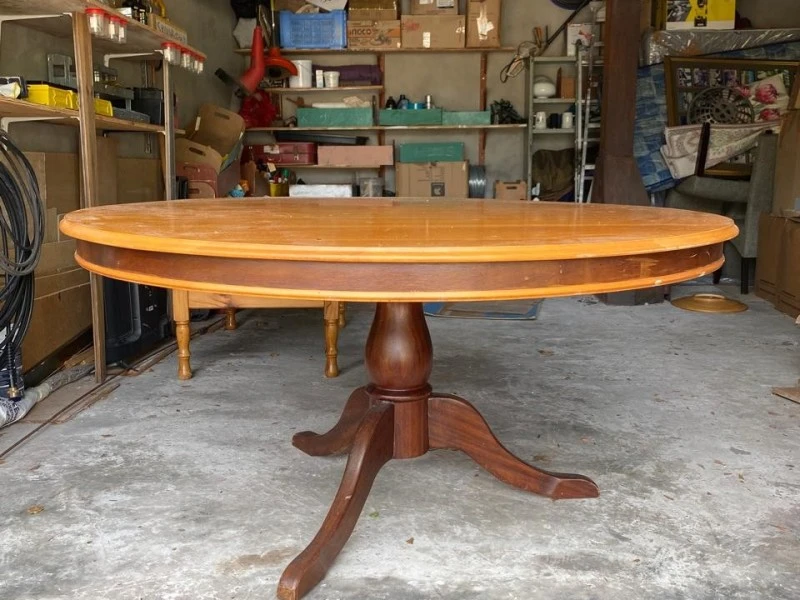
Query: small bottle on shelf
{"x": 390, "y": 103}
{"x": 402, "y": 102}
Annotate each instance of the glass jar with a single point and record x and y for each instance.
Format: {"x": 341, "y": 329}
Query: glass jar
{"x": 98, "y": 22}
{"x": 199, "y": 64}
{"x": 172, "y": 53}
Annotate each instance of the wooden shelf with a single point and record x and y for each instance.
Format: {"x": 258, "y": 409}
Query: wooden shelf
{"x": 246, "y": 51}
{"x": 350, "y": 88}
{"x": 22, "y": 109}
{"x": 141, "y": 38}
{"x": 554, "y": 100}
{"x": 330, "y": 167}
{"x": 395, "y": 128}
{"x": 554, "y": 131}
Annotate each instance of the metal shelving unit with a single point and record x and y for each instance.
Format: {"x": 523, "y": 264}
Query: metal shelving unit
{"x": 67, "y": 19}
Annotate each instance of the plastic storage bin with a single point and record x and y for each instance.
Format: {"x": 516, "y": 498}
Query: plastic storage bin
{"x": 52, "y": 96}
{"x": 323, "y": 30}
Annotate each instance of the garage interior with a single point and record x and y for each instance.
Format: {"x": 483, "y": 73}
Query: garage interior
{"x": 146, "y": 433}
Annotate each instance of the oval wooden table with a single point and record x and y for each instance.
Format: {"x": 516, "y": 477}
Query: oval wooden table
{"x": 398, "y": 253}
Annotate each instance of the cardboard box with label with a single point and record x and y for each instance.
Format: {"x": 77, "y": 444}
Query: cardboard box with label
{"x": 433, "y": 31}
{"x": 373, "y": 34}
{"x": 436, "y": 180}
{"x": 509, "y": 190}
{"x": 373, "y": 10}
{"x": 434, "y": 7}
{"x": 483, "y": 23}
{"x": 700, "y": 14}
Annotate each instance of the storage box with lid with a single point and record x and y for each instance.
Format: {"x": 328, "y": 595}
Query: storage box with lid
{"x": 49, "y": 95}
{"x": 466, "y": 117}
{"x": 395, "y": 117}
{"x": 430, "y": 152}
{"x": 334, "y": 117}
{"x": 320, "y": 30}
{"x": 433, "y": 31}
{"x": 283, "y": 153}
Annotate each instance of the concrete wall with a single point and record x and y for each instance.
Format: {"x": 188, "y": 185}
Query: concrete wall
{"x": 209, "y": 22}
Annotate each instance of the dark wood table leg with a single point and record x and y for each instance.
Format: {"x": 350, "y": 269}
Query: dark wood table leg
{"x": 455, "y": 424}
{"x": 339, "y": 439}
{"x": 398, "y": 416}
{"x": 372, "y": 449}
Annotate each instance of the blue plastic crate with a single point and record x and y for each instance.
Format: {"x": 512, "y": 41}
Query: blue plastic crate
{"x": 322, "y": 30}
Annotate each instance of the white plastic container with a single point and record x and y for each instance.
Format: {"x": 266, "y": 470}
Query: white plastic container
{"x": 98, "y": 22}
{"x": 172, "y": 53}
{"x": 117, "y": 30}
{"x": 331, "y": 79}
{"x": 303, "y": 78}
{"x": 187, "y": 60}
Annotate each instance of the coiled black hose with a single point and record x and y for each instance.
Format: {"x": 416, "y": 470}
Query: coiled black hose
{"x": 21, "y": 236}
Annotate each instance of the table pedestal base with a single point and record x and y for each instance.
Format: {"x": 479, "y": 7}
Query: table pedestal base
{"x": 398, "y": 416}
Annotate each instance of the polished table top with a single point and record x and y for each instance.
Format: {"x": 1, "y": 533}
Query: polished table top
{"x": 404, "y": 245}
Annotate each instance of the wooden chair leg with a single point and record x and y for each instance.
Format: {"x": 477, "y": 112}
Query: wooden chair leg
{"x": 230, "y": 319}
{"x": 342, "y": 315}
{"x": 180, "y": 313}
{"x": 331, "y": 314}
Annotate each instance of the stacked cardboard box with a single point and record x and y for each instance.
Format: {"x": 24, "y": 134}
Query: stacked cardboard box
{"x": 373, "y": 24}
{"x": 483, "y": 23}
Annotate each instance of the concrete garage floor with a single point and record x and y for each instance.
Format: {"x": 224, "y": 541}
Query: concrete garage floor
{"x": 191, "y": 490}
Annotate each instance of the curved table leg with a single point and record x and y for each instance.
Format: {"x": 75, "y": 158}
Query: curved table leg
{"x": 340, "y": 438}
{"x": 342, "y": 315}
{"x": 372, "y": 449}
{"x": 454, "y": 423}
{"x": 331, "y": 314}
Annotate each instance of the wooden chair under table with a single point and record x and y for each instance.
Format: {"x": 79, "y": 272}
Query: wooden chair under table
{"x": 183, "y": 302}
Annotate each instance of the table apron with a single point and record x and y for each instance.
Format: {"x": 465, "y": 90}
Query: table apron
{"x": 399, "y": 281}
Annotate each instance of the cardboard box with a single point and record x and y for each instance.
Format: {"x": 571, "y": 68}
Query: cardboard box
{"x": 483, "y": 23}
{"x": 433, "y": 31}
{"x": 355, "y": 156}
{"x": 139, "y": 180}
{"x": 59, "y": 178}
{"x": 787, "y": 165}
{"x": 433, "y": 180}
{"x": 431, "y": 152}
{"x": 187, "y": 151}
{"x": 700, "y": 14}
{"x": 789, "y": 270}
{"x": 565, "y": 85}
{"x": 373, "y": 34}
{"x": 509, "y": 190}
{"x": 58, "y": 317}
{"x": 373, "y": 10}
{"x": 578, "y": 32}
{"x": 107, "y": 170}
{"x": 770, "y": 241}
{"x": 434, "y": 7}
{"x": 218, "y": 128}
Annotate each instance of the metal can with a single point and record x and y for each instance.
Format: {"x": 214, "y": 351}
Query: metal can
{"x": 428, "y": 101}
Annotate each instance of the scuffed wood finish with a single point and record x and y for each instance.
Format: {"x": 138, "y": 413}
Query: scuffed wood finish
{"x": 395, "y": 230}
{"x": 180, "y": 313}
{"x": 342, "y": 315}
{"x": 340, "y": 438}
{"x": 331, "y": 318}
{"x": 372, "y": 449}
